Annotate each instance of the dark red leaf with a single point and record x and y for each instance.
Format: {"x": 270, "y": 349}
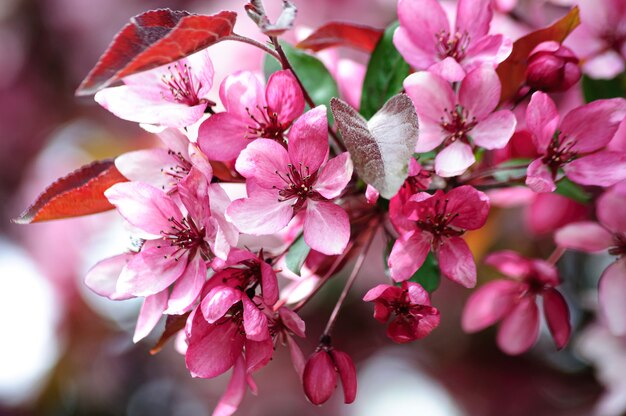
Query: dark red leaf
{"x": 173, "y": 324}
{"x": 331, "y": 34}
{"x": 156, "y": 38}
{"x": 79, "y": 193}
{"x": 512, "y": 71}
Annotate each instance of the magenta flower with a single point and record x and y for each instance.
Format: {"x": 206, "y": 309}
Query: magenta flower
{"x": 251, "y": 113}
{"x": 574, "y": 147}
{"x": 459, "y": 122}
{"x": 552, "y": 67}
{"x": 428, "y": 42}
{"x": 172, "y": 96}
{"x": 282, "y": 182}
{"x": 514, "y": 302}
{"x": 320, "y": 375}
{"x": 438, "y": 222}
{"x": 609, "y": 234}
{"x": 414, "y": 317}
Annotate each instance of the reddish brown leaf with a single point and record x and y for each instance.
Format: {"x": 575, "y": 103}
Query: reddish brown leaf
{"x": 79, "y": 193}
{"x": 156, "y": 38}
{"x": 512, "y": 71}
{"x": 332, "y": 34}
{"x": 173, "y": 324}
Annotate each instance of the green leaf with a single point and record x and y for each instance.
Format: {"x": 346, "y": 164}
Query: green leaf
{"x": 598, "y": 89}
{"x": 314, "y": 76}
{"x": 386, "y": 71}
{"x": 570, "y": 190}
{"x": 428, "y": 275}
{"x": 512, "y": 169}
{"x": 297, "y": 254}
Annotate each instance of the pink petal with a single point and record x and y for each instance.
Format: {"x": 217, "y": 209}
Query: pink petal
{"x": 432, "y": 97}
{"x": 308, "y": 139}
{"x": 258, "y": 354}
{"x": 454, "y": 159}
{"x": 542, "y": 119}
{"x": 284, "y": 96}
{"x": 261, "y": 160}
{"x": 223, "y": 136}
{"x": 326, "y": 227}
{"x": 416, "y": 293}
{"x": 539, "y": 177}
{"x": 292, "y": 321}
{"x": 187, "y": 287}
{"x": 510, "y": 263}
{"x": 213, "y": 349}
{"x": 218, "y": 301}
{"x": 431, "y": 135}
{"x": 612, "y": 297}
{"x": 609, "y": 209}
{"x": 242, "y": 92}
{"x": 604, "y": 168}
{"x": 592, "y": 126}
{"x": 350, "y": 76}
{"x": 143, "y": 206}
{"x": 201, "y": 68}
{"x": 148, "y": 166}
{"x": 494, "y": 131}
{"x": 549, "y": 212}
{"x": 261, "y": 214}
{"x": 606, "y": 65}
{"x": 297, "y": 357}
{"x": 422, "y": 19}
{"x": 489, "y": 304}
{"x": 153, "y": 269}
{"x": 102, "y": 278}
{"x": 457, "y": 262}
{"x": 489, "y": 50}
{"x": 480, "y": 92}
{"x": 319, "y": 378}
{"x": 584, "y": 236}
{"x": 150, "y": 314}
{"x": 235, "y": 391}
{"x": 376, "y": 292}
{"x": 416, "y": 56}
{"x": 408, "y": 254}
{"x": 471, "y": 205}
{"x": 347, "y": 374}
{"x": 269, "y": 284}
{"x": 254, "y": 321}
{"x": 473, "y": 17}
{"x": 371, "y": 195}
{"x": 520, "y": 328}
{"x": 557, "y": 315}
{"x": 448, "y": 69}
{"x": 334, "y": 176}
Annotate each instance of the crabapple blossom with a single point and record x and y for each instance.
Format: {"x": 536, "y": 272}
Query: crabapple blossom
{"x": 437, "y": 222}
{"x": 320, "y": 375}
{"x": 427, "y": 41}
{"x": 251, "y": 113}
{"x": 459, "y": 122}
{"x": 552, "y": 67}
{"x": 514, "y": 303}
{"x": 174, "y": 95}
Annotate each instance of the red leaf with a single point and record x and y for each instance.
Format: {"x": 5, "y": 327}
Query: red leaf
{"x": 173, "y": 324}
{"x": 153, "y": 39}
{"x": 512, "y": 71}
{"x": 79, "y": 193}
{"x": 360, "y": 37}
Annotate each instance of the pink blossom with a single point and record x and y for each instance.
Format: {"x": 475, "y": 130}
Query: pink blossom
{"x": 459, "y": 122}
{"x": 419, "y": 180}
{"x": 251, "y": 113}
{"x": 427, "y": 41}
{"x": 414, "y": 317}
{"x": 282, "y": 182}
{"x": 552, "y": 67}
{"x": 514, "y": 303}
{"x": 320, "y": 375}
{"x": 437, "y": 223}
{"x": 609, "y": 234}
{"x": 576, "y": 145}
{"x": 175, "y": 95}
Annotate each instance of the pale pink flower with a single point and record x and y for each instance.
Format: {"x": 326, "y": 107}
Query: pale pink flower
{"x": 175, "y": 95}
{"x": 609, "y": 234}
{"x": 459, "y": 122}
{"x": 576, "y": 145}
{"x": 514, "y": 302}
{"x": 437, "y": 223}
{"x": 251, "y": 113}
{"x": 414, "y": 317}
{"x": 552, "y": 67}
{"x": 282, "y": 182}
{"x": 320, "y": 375}
{"x": 427, "y": 41}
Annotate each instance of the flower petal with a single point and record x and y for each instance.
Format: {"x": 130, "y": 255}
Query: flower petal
{"x": 494, "y": 131}
{"x": 609, "y": 209}
{"x": 592, "y": 126}
{"x": 557, "y": 315}
{"x": 520, "y": 328}
{"x": 471, "y": 205}
{"x": 603, "y": 168}
{"x": 448, "y": 69}
{"x": 102, "y": 278}
{"x": 480, "y": 92}
{"x": 489, "y": 304}
{"x": 223, "y": 136}
{"x": 284, "y": 96}
{"x": 408, "y": 254}
{"x": 260, "y": 214}
{"x": 539, "y": 177}
{"x": 148, "y": 166}
{"x": 319, "y": 378}
{"x": 218, "y": 301}
{"x": 150, "y": 314}
{"x": 235, "y": 391}
{"x": 509, "y": 263}
{"x": 412, "y": 53}
{"x": 187, "y": 287}
{"x": 584, "y": 236}
{"x": 422, "y": 19}
{"x": 432, "y": 96}
{"x": 454, "y": 159}
{"x": 308, "y": 139}
{"x": 261, "y": 160}
{"x": 473, "y": 17}
{"x": 334, "y": 176}
{"x": 347, "y": 374}
{"x": 612, "y": 297}
{"x": 213, "y": 349}
{"x": 241, "y": 93}
{"x": 542, "y": 119}
{"x": 326, "y": 227}
{"x": 254, "y": 321}
{"x": 457, "y": 262}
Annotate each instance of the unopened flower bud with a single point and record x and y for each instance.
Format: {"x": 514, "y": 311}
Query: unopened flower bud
{"x": 552, "y": 67}
{"x": 320, "y": 375}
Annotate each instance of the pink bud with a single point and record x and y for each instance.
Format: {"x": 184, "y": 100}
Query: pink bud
{"x": 552, "y": 67}
{"x": 320, "y": 375}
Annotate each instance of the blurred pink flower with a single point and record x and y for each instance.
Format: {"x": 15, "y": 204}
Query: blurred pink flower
{"x": 514, "y": 303}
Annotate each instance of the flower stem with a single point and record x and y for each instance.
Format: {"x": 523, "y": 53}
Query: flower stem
{"x": 556, "y": 255}
{"x": 264, "y": 48}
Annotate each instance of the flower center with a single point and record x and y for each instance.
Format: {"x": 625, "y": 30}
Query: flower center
{"x": 458, "y": 124}
{"x": 559, "y": 152}
{"x": 186, "y": 235}
{"x": 267, "y": 126}
{"x": 438, "y": 223}
{"x": 451, "y": 45}
{"x": 298, "y": 185}
{"x": 180, "y": 168}
{"x": 246, "y": 276}
{"x": 181, "y": 84}
{"x": 619, "y": 249}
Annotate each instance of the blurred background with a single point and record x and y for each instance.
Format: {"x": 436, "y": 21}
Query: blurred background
{"x": 66, "y": 351}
